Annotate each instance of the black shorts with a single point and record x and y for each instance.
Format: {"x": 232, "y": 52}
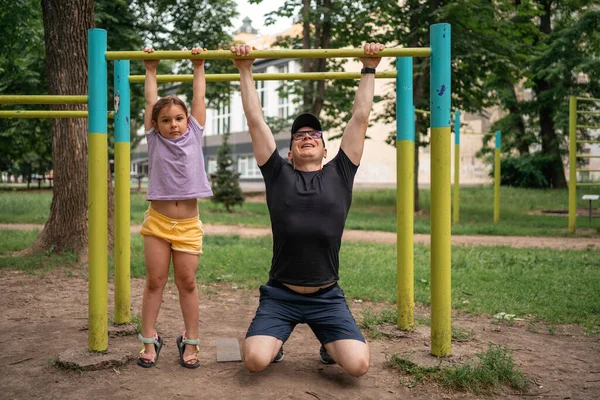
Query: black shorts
{"x": 325, "y": 311}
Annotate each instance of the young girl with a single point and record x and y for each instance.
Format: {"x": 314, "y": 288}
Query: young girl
{"x": 172, "y": 229}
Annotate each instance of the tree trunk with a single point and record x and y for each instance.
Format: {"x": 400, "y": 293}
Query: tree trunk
{"x": 323, "y": 36}
{"x": 66, "y": 25}
{"x": 306, "y": 62}
{"x": 555, "y": 173}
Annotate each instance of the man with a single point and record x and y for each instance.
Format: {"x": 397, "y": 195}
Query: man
{"x": 308, "y": 204}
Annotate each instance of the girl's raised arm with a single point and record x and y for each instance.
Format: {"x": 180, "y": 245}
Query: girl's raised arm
{"x": 150, "y": 89}
{"x": 199, "y": 89}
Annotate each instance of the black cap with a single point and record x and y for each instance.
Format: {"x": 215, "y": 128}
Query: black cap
{"x": 306, "y": 119}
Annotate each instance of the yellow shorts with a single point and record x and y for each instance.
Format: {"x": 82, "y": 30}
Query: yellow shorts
{"x": 185, "y": 235}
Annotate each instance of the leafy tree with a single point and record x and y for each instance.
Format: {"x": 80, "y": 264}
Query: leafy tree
{"x": 225, "y": 184}
{"x": 26, "y": 143}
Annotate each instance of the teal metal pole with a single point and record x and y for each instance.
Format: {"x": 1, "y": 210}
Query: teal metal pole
{"x": 122, "y": 192}
{"x": 497, "y": 177}
{"x": 405, "y": 206}
{"x": 97, "y": 192}
{"x": 441, "y": 311}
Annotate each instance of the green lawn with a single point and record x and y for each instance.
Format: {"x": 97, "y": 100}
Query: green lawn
{"x": 536, "y": 284}
{"x": 371, "y": 210}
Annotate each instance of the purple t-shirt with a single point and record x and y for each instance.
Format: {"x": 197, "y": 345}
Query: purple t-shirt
{"x": 176, "y": 166}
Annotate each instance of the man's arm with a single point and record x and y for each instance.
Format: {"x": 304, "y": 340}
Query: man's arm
{"x": 353, "y": 139}
{"x": 150, "y": 89}
{"x": 263, "y": 142}
{"x": 199, "y": 89}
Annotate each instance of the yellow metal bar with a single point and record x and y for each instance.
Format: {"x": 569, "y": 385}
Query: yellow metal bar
{"x": 422, "y": 111}
{"x": 456, "y": 209}
{"x": 496, "y": 185}
{"x": 586, "y": 99}
{"x": 585, "y": 156}
{"x": 265, "y": 54}
{"x": 405, "y": 227}
{"x": 441, "y": 309}
{"x": 572, "y": 163}
{"x": 46, "y": 114}
{"x": 98, "y": 240}
{"x": 588, "y": 184}
{"x": 299, "y": 76}
{"x": 122, "y": 233}
{"x": 588, "y": 170}
{"x": 588, "y": 126}
{"x": 42, "y": 99}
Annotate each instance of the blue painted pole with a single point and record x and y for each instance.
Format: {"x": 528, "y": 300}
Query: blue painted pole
{"x": 497, "y": 177}
{"x": 405, "y": 164}
{"x": 122, "y": 192}
{"x": 97, "y": 192}
{"x": 441, "y": 311}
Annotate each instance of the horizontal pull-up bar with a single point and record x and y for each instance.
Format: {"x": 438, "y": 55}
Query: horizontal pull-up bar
{"x": 588, "y": 126}
{"x": 587, "y": 184}
{"x": 42, "y": 99}
{"x": 299, "y": 76}
{"x": 586, "y": 99}
{"x": 585, "y": 156}
{"x": 46, "y": 114}
{"x": 588, "y": 170}
{"x": 266, "y": 54}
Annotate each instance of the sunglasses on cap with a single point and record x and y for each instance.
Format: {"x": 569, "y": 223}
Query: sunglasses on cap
{"x": 301, "y": 134}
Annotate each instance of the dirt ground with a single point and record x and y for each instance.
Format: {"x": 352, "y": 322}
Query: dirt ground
{"x": 42, "y": 316}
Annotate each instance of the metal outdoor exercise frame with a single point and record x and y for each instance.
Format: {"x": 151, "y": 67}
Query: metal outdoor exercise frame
{"x": 440, "y": 173}
{"x": 573, "y": 156}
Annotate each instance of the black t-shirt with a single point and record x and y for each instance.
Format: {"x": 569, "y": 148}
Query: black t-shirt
{"x": 308, "y": 211}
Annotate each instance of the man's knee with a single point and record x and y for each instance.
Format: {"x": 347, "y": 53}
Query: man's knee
{"x": 256, "y": 361}
{"x": 358, "y": 367}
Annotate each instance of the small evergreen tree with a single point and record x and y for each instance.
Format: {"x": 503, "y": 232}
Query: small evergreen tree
{"x": 225, "y": 184}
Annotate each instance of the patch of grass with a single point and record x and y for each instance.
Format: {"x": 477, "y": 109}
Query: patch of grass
{"x": 41, "y": 263}
{"x": 371, "y": 210}
{"x": 494, "y": 369}
{"x": 417, "y": 372}
{"x": 371, "y": 318}
{"x": 136, "y": 320}
{"x": 461, "y": 335}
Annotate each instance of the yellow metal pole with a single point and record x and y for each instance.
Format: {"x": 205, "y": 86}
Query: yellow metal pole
{"x": 441, "y": 221}
{"x": 296, "y": 76}
{"x": 405, "y": 199}
{"x": 42, "y": 99}
{"x": 497, "y": 179}
{"x": 97, "y": 193}
{"x": 456, "y": 208}
{"x": 572, "y": 164}
{"x": 122, "y": 192}
{"x": 265, "y": 54}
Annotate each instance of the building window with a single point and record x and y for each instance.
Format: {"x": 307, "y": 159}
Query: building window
{"x": 247, "y": 167}
{"x": 211, "y": 165}
{"x": 262, "y": 94}
{"x": 222, "y": 119}
{"x": 283, "y": 104}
